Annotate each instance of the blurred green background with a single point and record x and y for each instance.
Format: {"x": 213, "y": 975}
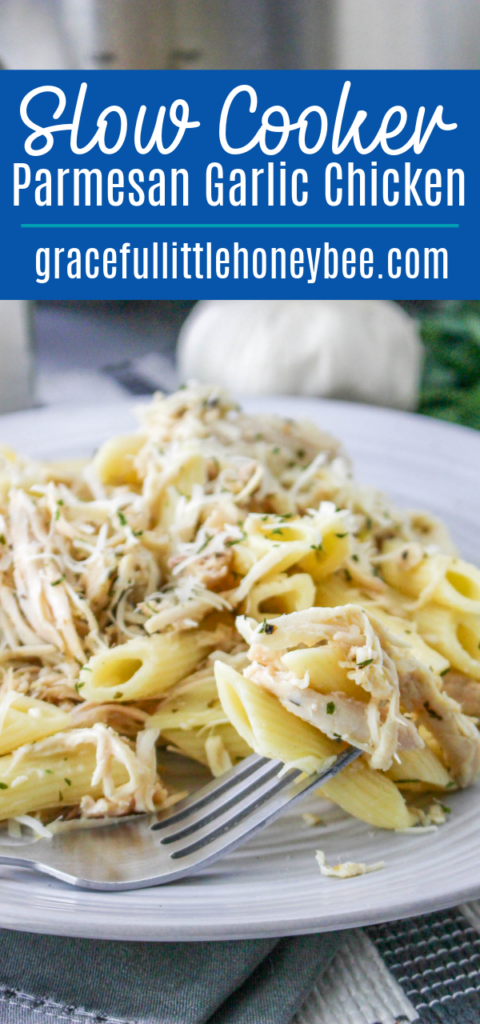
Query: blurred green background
{"x": 451, "y": 376}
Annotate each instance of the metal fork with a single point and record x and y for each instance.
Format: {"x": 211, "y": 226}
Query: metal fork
{"x": 145, "y": 850}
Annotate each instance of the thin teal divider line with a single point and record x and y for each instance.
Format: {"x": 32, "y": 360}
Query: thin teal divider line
{"x": 239, "y": 226}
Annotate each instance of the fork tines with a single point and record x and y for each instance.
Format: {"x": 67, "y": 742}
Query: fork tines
{"x": 239, "y": 803}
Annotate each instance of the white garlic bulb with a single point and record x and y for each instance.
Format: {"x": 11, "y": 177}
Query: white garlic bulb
{"x": 362, "y": 350}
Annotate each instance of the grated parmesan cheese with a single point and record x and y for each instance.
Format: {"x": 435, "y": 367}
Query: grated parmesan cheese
{"x": 350, "y": 869}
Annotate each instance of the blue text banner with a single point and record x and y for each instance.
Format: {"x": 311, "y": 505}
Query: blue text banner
{"x": 295, "y": 184}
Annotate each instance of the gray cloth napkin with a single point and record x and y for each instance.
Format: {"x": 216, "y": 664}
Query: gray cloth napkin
{"x": 53, "y": 980}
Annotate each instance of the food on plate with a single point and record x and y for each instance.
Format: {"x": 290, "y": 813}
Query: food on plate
{"x": 218, "y": 583}
{"x": 349, "y": 869}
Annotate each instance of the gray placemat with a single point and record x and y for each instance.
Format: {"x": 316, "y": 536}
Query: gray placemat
{"x": 436, "y": 961}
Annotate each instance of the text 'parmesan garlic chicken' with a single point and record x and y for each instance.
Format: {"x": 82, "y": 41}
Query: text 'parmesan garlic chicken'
{"x": 130, "y": 583}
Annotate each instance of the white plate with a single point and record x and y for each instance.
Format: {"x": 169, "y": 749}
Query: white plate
{"x": 273, "y": 886}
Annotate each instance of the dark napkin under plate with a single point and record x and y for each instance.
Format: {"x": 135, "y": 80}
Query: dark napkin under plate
{"x": 47, "y": 979}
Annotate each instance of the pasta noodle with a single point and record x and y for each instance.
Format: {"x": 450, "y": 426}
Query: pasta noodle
{"x": 281, "y": 594}
{"x": 114, "y": 462}
{"x": 370, "y": 796}
{"x": 455, "y": 634}
{"x": 218, "y": 583}
{"x": 441, "y": 578}
{"x": 25, "y": 720}
{"x": 91, "y": 767}
{"x": 142, "y": 668}
{"x": 266, "y": 727}
{"x": 420, "y": 770}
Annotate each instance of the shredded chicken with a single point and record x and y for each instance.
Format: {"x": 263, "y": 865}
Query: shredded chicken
{"x": 378, "y": 662}
{"x": 464, "y": 691}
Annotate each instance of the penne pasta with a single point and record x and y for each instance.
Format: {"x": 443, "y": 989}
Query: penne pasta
{"x": 266, "y": 727}
{"x": 142, "y": 668}
{"x": 420, "y": 770}
{"x": 370, "y": 796}
{"x": 197, "y": 744}
{"x": 454, "y": 634}
{"x": 114, "y": 463}
{"x": 91, "y": 767}
{"x": 326, "y": 673}
{"x": 25, "y": 720}
{"x": 281, "y": 594}
{"x": 443, "y": 579}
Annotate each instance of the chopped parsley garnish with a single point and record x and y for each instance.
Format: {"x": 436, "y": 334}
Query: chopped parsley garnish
{"x": 277, "y": 531}
{"x": 317, "y": 548}
{"x": 355, "y": 558}
{"x": 207, "y": 540}
{"x": 266, "y": 627}
{"x": 368, "y": 522}
{"x": 300, "y": 453}
{"x": 117, "y": 695}
{"x": 2, "y": 539}
{"x": 430, "y": 711}
{"x": 330, "y": 709}
{"x": 60, "y": 580}
{"x": 275, "y": 450}
{"x": 445, "y": 809}
{"x": 3, "y": 785}
{"x": 258, "y": 437}
{"x": 341, "y": 535}
{"x": 85, "y": 668}
{"x": 122, "y": 518}
{"x": 60, "y": 796}
{"x": 237, "y": 540}
{"x": 363, "y": 664}
{"x": 407, "y": 780}
{"x": 445, "y": 671}
{"x": 137, "y": 533}
{"x": 68, "y": 781}
{"x": 348, "y": 575}
{"x": 78, "y": 687}
{"x": 48, "y": 771}
{"x": 337, "y": 737}
{"x": 450, "y": 784}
